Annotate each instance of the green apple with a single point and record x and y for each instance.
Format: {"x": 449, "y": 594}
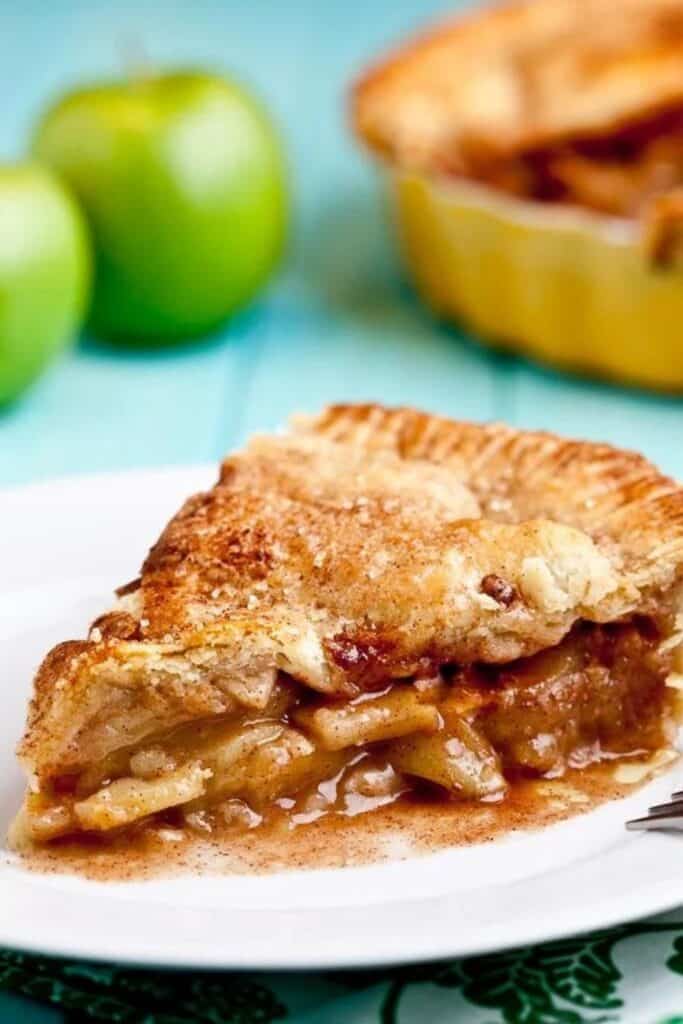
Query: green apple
{"x": 182, "y": 179}
{"x": 44, "y": 273}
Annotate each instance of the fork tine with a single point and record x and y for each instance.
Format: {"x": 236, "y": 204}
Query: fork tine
{"x": 668, "y": 816}
{"x": 675, "y": 802}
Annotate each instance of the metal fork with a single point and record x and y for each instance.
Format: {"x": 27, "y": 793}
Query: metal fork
{"x": 663, "y": 816}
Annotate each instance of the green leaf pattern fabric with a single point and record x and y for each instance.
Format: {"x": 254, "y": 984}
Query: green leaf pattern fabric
{"x": 629, "y": 974}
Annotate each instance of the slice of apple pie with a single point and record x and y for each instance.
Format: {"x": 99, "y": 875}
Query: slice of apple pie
{"x": 378, "y": 601}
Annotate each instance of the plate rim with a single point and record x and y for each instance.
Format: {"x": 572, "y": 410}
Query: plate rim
{"x": 496, "y": 939}
{"x": 417, "y": 945}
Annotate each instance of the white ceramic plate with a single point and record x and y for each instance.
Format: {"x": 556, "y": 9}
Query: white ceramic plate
{"x": 64, "y": 546}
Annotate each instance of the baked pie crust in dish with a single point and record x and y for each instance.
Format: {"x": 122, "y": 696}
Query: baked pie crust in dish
{"x": 376, "y": 604}
{"x": 535, "y": 152}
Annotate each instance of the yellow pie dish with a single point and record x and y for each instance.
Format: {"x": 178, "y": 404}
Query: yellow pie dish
{"x": 535, "y": 163}
{"x": 566, "y": 286}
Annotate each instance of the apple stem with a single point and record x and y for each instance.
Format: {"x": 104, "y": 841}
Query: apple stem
{"x": 135, "y": 59}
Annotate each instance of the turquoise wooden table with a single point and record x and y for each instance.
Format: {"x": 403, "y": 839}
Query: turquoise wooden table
{"x": 338, "y": 322}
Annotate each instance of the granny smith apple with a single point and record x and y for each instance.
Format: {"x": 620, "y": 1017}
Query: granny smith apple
{"x": 44, "y": 273}
{"x": 182, "y": 179}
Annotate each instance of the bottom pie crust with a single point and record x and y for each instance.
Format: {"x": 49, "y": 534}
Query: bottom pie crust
{"x": 412, "y": 826}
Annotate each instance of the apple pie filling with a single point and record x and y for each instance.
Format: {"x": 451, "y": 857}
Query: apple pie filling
{"x": 614, "y": 171}
{"x": 466, "y": 733}
{"x": 635, "y": 170}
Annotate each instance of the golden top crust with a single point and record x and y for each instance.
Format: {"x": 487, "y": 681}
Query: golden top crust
{"x": 521, "y": 76}
{"x": 366, "y": 544}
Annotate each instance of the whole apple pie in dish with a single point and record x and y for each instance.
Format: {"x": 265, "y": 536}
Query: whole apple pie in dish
{"x": 534, "y": 151}
{"x": 574, "y": 101}
{"x": 376, "y": 603}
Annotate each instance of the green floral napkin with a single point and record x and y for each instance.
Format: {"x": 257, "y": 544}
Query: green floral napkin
{"x": 631, "y": 974}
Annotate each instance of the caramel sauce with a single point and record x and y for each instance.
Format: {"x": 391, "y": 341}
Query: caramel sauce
{"x": 411, "y": 825}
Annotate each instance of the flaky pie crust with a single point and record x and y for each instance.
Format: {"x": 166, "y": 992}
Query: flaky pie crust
{"x": 520, "y": 76}
{"x": 364, "y": 544}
